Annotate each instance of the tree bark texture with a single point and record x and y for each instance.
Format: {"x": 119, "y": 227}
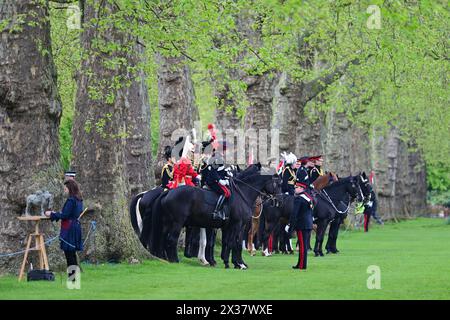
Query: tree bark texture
{"x": 30, "y": 111}
{"x": 111, "y": 135}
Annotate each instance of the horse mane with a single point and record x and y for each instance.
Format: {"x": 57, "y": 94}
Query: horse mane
{"x": 251, "y": 170}
{"x": 340, "y": 182}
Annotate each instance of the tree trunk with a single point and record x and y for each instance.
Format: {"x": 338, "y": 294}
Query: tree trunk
{"x": 30, "y": 111}
{"x": 176, "y": 100}
{"x": 111, "y": 140}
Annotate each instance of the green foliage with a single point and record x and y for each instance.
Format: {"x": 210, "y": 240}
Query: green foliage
{"x": 397, "y": 74}
{"x": 438, "y": 177}
{"x": 66, "y": 54}
{"x": 436, "y": 197}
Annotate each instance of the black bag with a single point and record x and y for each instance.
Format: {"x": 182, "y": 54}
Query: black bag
{"x": 40, "y": 275}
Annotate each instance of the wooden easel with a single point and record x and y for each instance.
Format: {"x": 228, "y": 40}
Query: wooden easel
{"x": 39, "y": 244}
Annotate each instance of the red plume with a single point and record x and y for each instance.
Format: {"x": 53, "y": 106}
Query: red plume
{"x": 212, "y": 131}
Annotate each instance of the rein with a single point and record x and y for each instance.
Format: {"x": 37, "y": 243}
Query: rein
{"x": 264, "y": 196}
{"x": 331, "y": 202}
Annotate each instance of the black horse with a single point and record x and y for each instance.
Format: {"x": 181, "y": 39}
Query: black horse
{"x": 333, "y": 202}
{"x": 335, "y": 224}
{"x": 275, "y": 214}
{"x": 190, "y": 206}
{"x": 141, "y": 214}
{"x": 141, "y": 209}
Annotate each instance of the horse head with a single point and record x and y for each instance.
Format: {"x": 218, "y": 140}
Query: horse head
{"x": 365, "y": 186}
{"x": 273, "y": 186}
{"x": 355, "y": 189}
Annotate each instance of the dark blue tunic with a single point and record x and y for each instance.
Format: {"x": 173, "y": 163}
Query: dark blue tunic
{"x": 302, "y": 215}
{"x": 303, "y": 176}
{"x": 70, "y": 235}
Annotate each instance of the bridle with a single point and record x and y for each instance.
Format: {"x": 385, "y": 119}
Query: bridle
{"x": 265, "y": 196}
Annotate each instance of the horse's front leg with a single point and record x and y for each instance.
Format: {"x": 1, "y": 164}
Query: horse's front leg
{"x": 319, "y": 237}
{"x": 225, "y": 253}
{"x": 210, "y": 241}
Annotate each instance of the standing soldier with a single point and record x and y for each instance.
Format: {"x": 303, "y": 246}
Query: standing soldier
{"x": 167, "y": 170}
{"x": 370, "y": 209}
{"x": 289, "y": 173}
{"x": 301, "y": 220}
{"x": 316, "y": 170}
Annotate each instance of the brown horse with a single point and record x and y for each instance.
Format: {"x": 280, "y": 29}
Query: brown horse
{"x": 320, "y": 183}
{"x": 255, "y": 225}
{"x": 323, "y": 181}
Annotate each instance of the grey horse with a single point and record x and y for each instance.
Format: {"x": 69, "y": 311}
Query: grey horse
{"x": 42, "y": 199}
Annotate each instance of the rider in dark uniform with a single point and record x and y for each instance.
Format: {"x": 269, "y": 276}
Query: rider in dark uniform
{"x": 289, "y": 174}
{"x": 316, "y": 170}
{"x": 167, "y": 170}
{"x": 302, "y": 171}
{"x": 301, "y": 220}
{"x": 217, "y": 180}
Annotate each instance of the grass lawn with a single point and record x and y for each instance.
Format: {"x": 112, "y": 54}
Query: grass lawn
{"x": 413, "y": 256}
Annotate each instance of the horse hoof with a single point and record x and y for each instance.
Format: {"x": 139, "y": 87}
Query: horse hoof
{"x": 204, "y": 263}
{"x": 316, "y": 254}
{"x": 243, "y": 266}
{"x": 227, "y": 266}
{"x": 321, "y": 254}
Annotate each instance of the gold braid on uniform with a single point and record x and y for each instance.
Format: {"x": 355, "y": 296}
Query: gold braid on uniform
{"x": 293, "y": 176}
{"x": 169, "y": 172}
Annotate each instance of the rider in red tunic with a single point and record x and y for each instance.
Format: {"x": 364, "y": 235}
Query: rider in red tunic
{"x": 183, "y": 174}
{"x": 183, "y": 171}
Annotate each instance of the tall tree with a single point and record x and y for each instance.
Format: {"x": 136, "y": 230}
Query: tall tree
{"x": 111, "y": 140}
{"x": 30, "y": 111}
{"x": 176, "y": 100}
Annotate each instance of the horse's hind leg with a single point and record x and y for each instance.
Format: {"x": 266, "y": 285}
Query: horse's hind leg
{"x": 172, "y": 244}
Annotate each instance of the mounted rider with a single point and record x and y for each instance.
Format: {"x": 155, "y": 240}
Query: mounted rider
{"x": 302, "y": 171}
{"x": 289, "y": 173}
{"x": 316, "y": 170}
{"x": 167, "y": 169}
{"x": 217, "y": 179}
{"x": 183, "y": 171}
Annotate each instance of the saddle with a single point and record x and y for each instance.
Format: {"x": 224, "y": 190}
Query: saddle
{"x": 211, "y": 199}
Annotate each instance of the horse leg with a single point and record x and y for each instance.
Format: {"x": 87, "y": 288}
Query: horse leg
{"x": 202, "y": 246}
{"x": 172, "y": 243}
{"x": 322, "y": 236}
{"x": 331, "y": 242}
{"x": 225, "y": 254}
{"x": 319, "y": 237}
{"x": 336, "y": 233}
{"x": 210, "y": 241}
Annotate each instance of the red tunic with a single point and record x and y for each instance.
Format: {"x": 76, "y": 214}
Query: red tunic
{"x": 183, "y": 172}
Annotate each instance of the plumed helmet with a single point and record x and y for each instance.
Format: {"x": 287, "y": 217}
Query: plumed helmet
{"x": 167, "y": 152}
{"x": 188, "y": 147}
{"x": 289, "y": 158}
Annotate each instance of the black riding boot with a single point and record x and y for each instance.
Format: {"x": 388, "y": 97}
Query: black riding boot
{"x": 218, "y": 213}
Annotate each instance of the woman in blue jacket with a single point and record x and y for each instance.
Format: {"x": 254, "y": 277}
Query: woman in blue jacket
{"x": 70, "y": 235}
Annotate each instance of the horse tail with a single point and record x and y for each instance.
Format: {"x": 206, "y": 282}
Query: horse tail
{"x": 135, "y": 214}
{"x": 157, "y": 241}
